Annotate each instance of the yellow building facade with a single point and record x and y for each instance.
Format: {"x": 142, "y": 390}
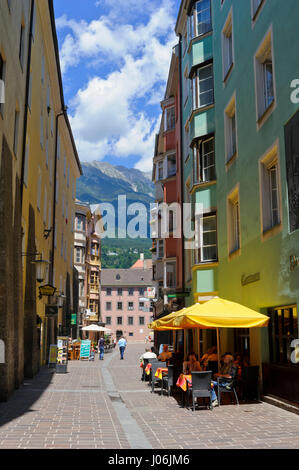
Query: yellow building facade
{"x": 38, "y": 172}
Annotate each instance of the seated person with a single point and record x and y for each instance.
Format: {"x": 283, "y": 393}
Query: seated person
{"x": 228, "y": 371}
{"x": 192, "y": 364}
{"x": 148, "y": 354}
{"x": 165, "y": 354}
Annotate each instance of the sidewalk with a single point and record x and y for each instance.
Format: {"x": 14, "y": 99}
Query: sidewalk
{"x": 104, "y": 404}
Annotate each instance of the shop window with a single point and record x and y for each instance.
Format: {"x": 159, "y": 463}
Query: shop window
{"x": 283, "y": 329}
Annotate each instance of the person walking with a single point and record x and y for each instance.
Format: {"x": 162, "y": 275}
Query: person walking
{"x": 122, "y": 343}
{"x": 101, "y": 347}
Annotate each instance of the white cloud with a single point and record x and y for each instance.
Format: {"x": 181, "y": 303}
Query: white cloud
{"x": 104, "y": 118}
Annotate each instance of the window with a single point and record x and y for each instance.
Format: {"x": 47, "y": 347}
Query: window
{"x": 186, "y": 144}
{"x": 203, "y": 87}
{"x": 169, "y": 118}
{"x": 43, "y": 69}
{"x": 227, "y": 47}
{"x": 283, "y": 329}
{"x": 42, "y": 130}
{"x": 270, "y": 190}
{"x": 45, "y": 206}
{"x": 131, "y": 321}
{"x": 204, "y": 160}
{"x": 160, "y": 249}
{"x": 119, "y": 305}
{"x": 94, "y": 278}
{"x": 108, "y": 321}
{"x": 131, "y": 334}
{"x": 119, "y": 320}
{"x": 93, "y": 306}
{"x": 264, "y": 77}
{"x": 27, "y": 162}
{"x": 200, "y": 21}
{"x": 119, "y": 291}
{"x": 80, "y": 221}
{"x": 230, "y": 129}
{"x": 16, "y": 132}
{"x": 206, "y": 238}
{"x": 108, "y": 306}
{"x": 256, "y": 6}
{"x": 170, "y": 275}
{"x": 233, "y": 221}
{"x": 130, "y": 305}
{"x": 141, "y": 291}
{"x": 141, "y": 305}
{"x": 39, "y": 189}
{"x": 131, "y": 291}
{"x": 78, "y": 255}
{"x": 171, "y": 165}
{"x": 108, "y": 291}
{"x": 141, "y": 320}
{"x": 22, "y": 45}
{"x": 2, "y": 83}
{"x": 292, "y": 170}
{"x": 160, "y": 170}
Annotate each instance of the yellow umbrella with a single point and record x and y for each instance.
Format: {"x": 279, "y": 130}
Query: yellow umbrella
{"x": 219, "y": 313}
{"x": 164, "y": 323}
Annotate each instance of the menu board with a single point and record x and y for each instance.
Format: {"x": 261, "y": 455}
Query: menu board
{"x": 62, "y": 350}
{"x": 85, "y": 349}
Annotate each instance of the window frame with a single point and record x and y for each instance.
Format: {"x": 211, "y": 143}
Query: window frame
{"x": 196, "y": 87}
{"x": 199, "y": 236}
{"x": 198, "y": 160}
{"x": 193, "y": 22}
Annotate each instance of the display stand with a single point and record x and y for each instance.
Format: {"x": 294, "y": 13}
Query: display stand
{"x": 62, "y": 354}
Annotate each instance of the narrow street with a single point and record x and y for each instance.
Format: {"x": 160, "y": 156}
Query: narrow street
{"x": 101, "y": 405}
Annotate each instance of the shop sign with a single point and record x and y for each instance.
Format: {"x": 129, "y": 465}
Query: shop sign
{"x": 250, "y": 279}
{"x": 294, "y": 262}
{"x": 151, "y": 292}
{"x": 47, "y": 290}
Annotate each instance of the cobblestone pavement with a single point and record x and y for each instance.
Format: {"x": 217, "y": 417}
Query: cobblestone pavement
{"x": 104, "y": 404}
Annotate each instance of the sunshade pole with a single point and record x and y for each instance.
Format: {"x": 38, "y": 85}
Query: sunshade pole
{"x": 218, "y": 349}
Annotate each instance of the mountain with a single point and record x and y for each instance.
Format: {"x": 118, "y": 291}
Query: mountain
{"x": 103, "y": 182}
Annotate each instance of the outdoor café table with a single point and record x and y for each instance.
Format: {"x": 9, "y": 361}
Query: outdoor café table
{"x": 160, "y": 371}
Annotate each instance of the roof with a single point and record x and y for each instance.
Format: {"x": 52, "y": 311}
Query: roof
{"x": 127, "y": 277}
{"x": 140, "y": 264}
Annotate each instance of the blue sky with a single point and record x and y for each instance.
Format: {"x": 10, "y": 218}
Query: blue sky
{"x": 115, "y": 56}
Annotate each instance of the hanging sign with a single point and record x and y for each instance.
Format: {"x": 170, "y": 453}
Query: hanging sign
{"x": 51, "y": 310}
{"x": 47, "y": 290}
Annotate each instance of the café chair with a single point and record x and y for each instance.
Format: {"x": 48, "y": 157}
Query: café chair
{"x": 145, "y": 363}
{"x": 168, "y": 380}
{"x": 231, "y": 388}
{"x": 155, "y": 380}
{"x": 201, "y": 386}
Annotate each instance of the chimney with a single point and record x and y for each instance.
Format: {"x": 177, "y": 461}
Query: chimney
{"x": 142, "y": 259}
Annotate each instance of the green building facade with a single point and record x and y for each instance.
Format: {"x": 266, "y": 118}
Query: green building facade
{"x": 240, "y": 127}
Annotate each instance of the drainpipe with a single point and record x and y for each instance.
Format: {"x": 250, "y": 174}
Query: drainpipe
{"x": 26, "y": 101}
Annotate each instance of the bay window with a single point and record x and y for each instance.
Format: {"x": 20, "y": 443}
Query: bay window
{"x": 204, "y": 160}
{"x": 203, "y": 87}
{"x": 206, "y": 238}
{"x": 200, "y": 21}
